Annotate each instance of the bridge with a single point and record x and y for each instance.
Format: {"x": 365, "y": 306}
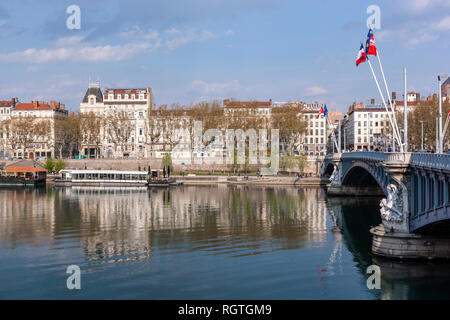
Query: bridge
{"x": 415, "y": 210}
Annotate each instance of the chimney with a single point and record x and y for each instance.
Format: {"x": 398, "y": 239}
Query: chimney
{"x": 429, "y": 98}
{"x": 52, "y": 104}
{"x": 35, "y": 104}
{"x": 418, "y": 97}
{"x": 270, "y": 101}
{"x": 394, "y": 95}
{"x": 372, "y": 101}
{"x": 435, "y": 97}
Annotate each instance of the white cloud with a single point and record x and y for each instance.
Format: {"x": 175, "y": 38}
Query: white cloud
{"x": 183, "y": 38}
{"x": 229, "y": 32}
{"x": 72, "y": 49}
{"x": 210, "y": 89}
{"x": 315, "y": 91}
{"x": 443, "y": 25}
{"x": 136, "y": 31}
{"x": 421, "y": 39}
{"x": 419, "y": 6}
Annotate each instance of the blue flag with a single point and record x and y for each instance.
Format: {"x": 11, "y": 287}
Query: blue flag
{"x": 325, "y": 111}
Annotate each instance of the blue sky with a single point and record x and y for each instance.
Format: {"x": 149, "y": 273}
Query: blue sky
{"x": 192, "y": 50}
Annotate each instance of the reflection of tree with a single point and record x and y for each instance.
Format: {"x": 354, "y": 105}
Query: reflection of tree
{"x": 115, "y": 224}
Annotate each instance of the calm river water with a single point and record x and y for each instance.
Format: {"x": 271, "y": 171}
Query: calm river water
{"x": 205, "y": 242}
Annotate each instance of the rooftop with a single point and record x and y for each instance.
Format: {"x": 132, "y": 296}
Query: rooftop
{"x": 37, "y": 105}
{"x": 23, "y": 169}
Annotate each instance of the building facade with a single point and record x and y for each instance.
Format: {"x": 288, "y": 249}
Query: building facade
{"x": 30, "y": 130}
{"x": 124, "y": 114}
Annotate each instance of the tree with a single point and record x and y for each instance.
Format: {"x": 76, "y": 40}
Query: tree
{"x": 288, "y": 121}
{"x": 426, "y": 112}
{"x": 93, "y": 125}
{"x": 59, "y": 165}
{"x": 22, "y": 132}
{"x": 167, "y": 160}
{"x": 119, "y": 128}
{"x": 49, "y": 165}
{"x": 42, "y": 131}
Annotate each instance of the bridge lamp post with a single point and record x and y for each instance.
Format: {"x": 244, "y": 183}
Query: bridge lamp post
{"x": 440, "y": 111}
{"x": 421, "y": 123}
{"x": 437, "y": 135}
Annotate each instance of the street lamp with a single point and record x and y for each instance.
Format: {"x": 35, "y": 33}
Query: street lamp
{"x": 440, "y": 112}
{"x": 421, "y": 123}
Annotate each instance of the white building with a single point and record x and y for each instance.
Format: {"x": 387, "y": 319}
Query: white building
{"x": 129, "y": 105}
{"x": 367, "y": 127}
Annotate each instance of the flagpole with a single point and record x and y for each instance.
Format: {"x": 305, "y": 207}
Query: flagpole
{"x": 334, "y": 137}
{"x": 384, "y": 103}
{"x": 389, "y": 96}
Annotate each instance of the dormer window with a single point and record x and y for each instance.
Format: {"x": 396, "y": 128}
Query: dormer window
{"x": 92, "y": 100}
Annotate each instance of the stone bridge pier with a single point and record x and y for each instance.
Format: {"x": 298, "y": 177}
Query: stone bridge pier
{"x": 415, "y": 209}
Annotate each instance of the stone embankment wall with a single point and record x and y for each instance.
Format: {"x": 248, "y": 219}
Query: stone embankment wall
{"x": 313, "y": 165}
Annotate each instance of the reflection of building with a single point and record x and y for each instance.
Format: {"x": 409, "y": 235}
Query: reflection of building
{"x": 115, "y": 224}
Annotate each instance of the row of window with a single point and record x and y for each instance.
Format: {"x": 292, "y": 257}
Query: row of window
{"x": 126, "y": 97}
{"x": 372, "y": 123}
{"x": 32, "y": 146}
{"x": 311, "y": 124}
{"x": 108, "y": 176}
{"x": 375, "y": 115}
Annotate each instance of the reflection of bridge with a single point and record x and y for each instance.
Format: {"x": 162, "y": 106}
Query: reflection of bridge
{"x": 416, "y": 207}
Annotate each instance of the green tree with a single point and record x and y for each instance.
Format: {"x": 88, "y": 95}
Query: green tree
{"x": 59, "y": 165}
{"x": 167, "y": 160}
{"x": 49, "y": 165}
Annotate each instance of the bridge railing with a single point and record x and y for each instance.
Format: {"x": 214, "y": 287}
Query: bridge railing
{"x": 431, "y": 160}
{"x": 365, "y": 155}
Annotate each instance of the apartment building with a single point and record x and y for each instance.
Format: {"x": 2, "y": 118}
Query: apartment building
{"x": 31, "y": 131}
{"x": 128, "y": 108}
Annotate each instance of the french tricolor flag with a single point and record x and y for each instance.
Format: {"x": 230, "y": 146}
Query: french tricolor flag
{"x": 361, "y": 56}
{"x": 321, "y": 111}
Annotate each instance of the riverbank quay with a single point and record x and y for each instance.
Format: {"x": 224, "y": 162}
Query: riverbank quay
{"x": 194, "y": 180}
{"x": 251, "y": 180}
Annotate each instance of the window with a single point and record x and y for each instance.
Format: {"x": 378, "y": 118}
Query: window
{"x": 91, "y": 100}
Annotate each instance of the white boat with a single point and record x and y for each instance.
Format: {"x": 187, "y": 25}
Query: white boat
{"x": 102, "y": 178}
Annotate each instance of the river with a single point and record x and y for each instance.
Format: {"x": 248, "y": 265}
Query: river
{"x": 199, "y": 242}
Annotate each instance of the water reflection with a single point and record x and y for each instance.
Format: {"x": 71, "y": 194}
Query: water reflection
{"x": 123, "y": 226}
